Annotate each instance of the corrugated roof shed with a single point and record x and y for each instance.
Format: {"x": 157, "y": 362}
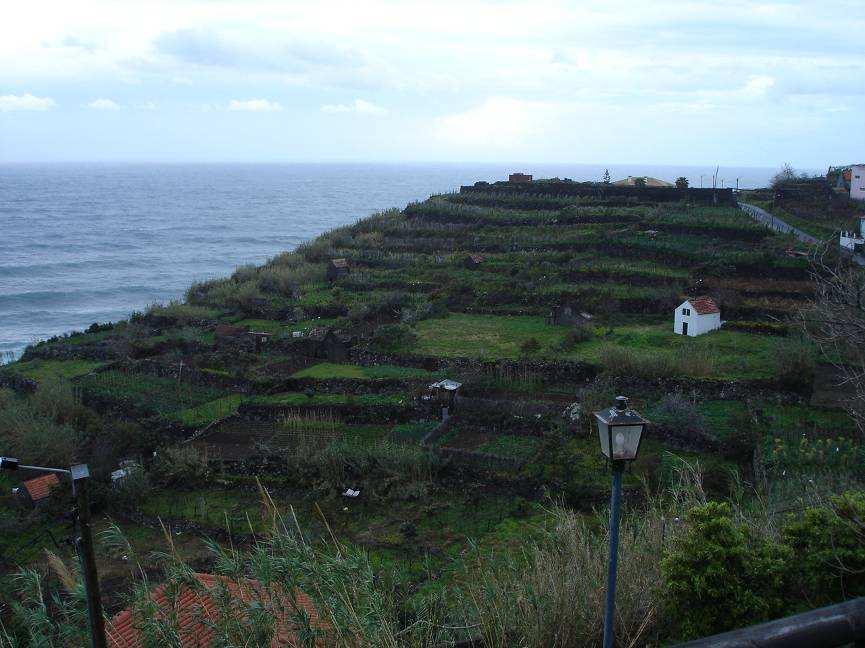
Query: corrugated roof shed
{"x": 41, "y": 487}
{"x": 197, "y": 612}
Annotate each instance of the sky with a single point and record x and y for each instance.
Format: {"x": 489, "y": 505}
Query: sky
{"x": 730, "y": 83}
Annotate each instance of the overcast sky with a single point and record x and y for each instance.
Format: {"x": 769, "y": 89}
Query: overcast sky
{"x": 734, "y": 83}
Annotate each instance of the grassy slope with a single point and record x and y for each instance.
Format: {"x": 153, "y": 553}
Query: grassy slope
{"x": 608, "y": 264}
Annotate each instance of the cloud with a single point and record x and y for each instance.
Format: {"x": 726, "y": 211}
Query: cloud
{"x": 198, "y": 47}
{"x": 10, "y": 103}
{"x": 254, "y": 105}
{"x": 359, "y": 106}
{"x": 499, "y": 121}
{"x": 103, "y": 104}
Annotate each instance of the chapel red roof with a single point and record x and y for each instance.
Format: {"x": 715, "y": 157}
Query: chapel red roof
{"x": 41, "y": 487}
{"x": 196, "y": 612}
{"x": 704, "y": 305}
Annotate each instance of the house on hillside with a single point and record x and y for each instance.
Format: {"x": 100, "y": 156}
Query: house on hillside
{"x": 473, "y": 261}
{"x": 518, "y": 178}
{"x": 197, "y": 607}
{"x": 696, "y": 316}
{"x": 569, "y": 315}
{"x": 336, "y": 268}
{"x": 848, "y": 179}
{"x": 36, "y": 491}
{"x": 631, "y": 181}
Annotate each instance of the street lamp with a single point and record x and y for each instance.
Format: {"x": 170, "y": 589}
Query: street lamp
{"x": 80, "y": 476}
{"x": 620, "y": 431}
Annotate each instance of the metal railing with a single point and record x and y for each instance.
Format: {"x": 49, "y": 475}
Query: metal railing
{"x": 835, "y": 625}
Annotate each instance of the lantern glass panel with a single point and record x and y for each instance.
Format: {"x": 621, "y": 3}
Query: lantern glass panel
{"x": 626, "y": 441}
{"x": 604, "y": 434}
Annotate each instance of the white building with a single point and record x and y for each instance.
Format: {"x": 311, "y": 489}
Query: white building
{"x": 696, "y": 316}
{"x": 857, "y": 182}
{"x": 853, "y": 240}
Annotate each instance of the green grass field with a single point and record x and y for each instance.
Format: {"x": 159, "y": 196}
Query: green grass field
{"x": 731, "y": 354}
{"x": 41, "y": 370}
{"x": 328, "y": 371}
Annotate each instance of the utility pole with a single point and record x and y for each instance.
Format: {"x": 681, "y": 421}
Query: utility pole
{"x": 80, "y": 476}
{"x": 84, "y": 546}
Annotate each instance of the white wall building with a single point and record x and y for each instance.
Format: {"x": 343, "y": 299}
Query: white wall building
{"x": 857, "y": 182}
{"x": 853, "y": 240}
{"x": 696, "y": 316}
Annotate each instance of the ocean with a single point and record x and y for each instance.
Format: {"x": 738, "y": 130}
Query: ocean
{"x": 84, "y": 243}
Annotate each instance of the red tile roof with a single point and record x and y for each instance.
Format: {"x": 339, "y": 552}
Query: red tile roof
{"x": 41, "y": 487}
{"x": 197, "y": 612}
{"x": 704, "y": 305}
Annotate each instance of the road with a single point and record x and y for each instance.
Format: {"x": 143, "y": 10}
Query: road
{"x": 762, "y": 216}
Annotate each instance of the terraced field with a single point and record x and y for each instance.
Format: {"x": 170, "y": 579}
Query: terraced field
{"x": 335, "y": 390}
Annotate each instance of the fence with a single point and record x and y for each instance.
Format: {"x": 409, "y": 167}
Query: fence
{"x": 834, "y": 625}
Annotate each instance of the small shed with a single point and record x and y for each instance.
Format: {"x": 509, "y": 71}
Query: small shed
{"x": 696, "y": 316}
{"x": 473, "y": 260}
{"x": 446, "y": 391}
{"x": 569, "y": 315}
{"x": 35, "y": 491}
{"x": 336, "y": 268}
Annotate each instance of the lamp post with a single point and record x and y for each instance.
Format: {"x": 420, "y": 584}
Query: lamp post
{"x": 620, "y": 431}
{"x": 80, "y": 477}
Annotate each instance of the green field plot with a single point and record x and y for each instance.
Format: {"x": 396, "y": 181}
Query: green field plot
{"x": 721, "y": 354}
{"x": 297, "y": 399}
{"x": 209, "y": 412}
{"x": 413, "y": 432}
{"x": 40, "y": 370}
{"x": 327, "y": 370}
{"x": 509, "y": 445}
{"x": 152, "y": 394}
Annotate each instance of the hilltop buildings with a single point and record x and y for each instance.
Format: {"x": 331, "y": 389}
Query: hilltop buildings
{"x": 850, "y": 178}
{"x": 631, "y": 181}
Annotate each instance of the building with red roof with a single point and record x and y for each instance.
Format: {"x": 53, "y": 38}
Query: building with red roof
{"x": 696, "y": 316}
{"x": 194, "y": 611}
{"x": 36, "y": 490}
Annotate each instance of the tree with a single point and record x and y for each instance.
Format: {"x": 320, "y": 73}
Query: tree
{"x": 786, "y": 175}
{"x": 606, "y": 176}
{"x": 681, "y": 182}
{"x": 640, "y": 183}
{"x": 835, "y": 321}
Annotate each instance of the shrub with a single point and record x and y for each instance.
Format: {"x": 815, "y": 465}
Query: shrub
{"x": 577, "y": 335}
{"x": 182, "y": 465}
{"x": 794, "y": 363}
{"x": 393, "y": 337}
{"x": 176, "y": 312}
{"x": 829, "y": 543}
{"x": 718, "y": 578}
{"x": 679, "y": 414}
{"x": 530, "y": 346}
